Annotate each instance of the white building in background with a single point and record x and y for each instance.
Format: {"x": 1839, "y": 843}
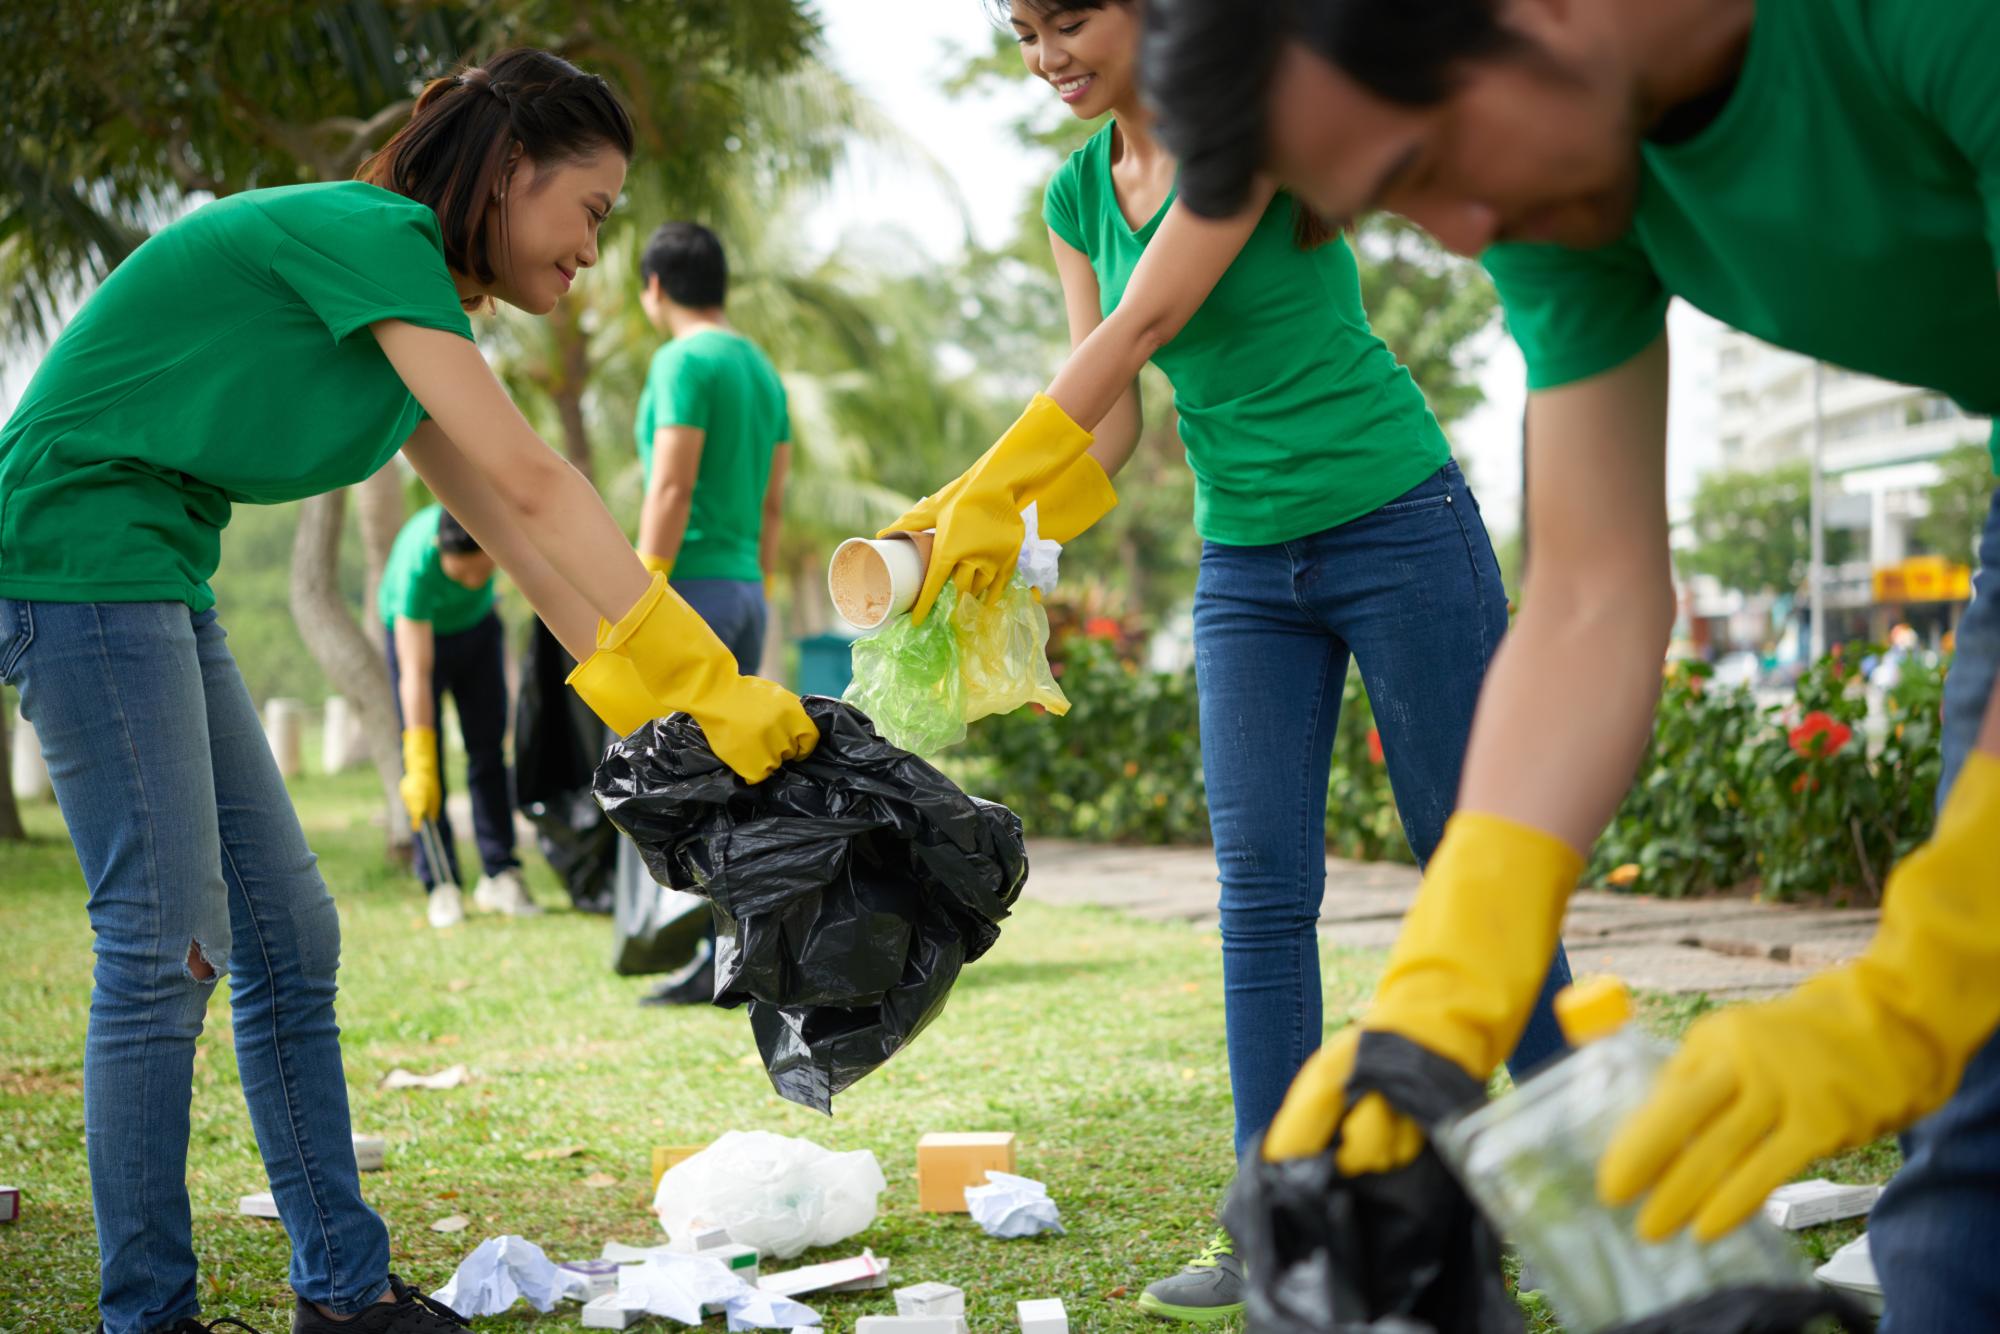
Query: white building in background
{"x": 1880, "y": 441}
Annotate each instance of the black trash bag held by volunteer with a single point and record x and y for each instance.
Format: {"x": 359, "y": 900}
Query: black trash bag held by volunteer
{"x": 1402, "y": 1252}
{"x": 849, "y": 888}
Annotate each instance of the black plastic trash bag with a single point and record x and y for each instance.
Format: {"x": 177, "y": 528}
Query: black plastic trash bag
{"x": 1760, "y": 1310}
{"x": 557, "y": 743}
{"x": 1403, "y": 1252}
{"x": 849, "y": 888}
{"x": 655, "y": 929}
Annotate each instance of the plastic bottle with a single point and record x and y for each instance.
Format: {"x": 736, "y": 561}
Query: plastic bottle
{"x": 1530, "y": 1159}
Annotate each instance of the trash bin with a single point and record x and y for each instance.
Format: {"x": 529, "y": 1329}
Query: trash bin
{"x": 826, "y": 665}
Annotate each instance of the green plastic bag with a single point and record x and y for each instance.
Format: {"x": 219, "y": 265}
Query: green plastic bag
{"x": 921, "y": 684}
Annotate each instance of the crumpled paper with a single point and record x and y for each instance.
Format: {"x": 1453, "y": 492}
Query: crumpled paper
{"x": 502, "y": 1271}
{"x": 448, "y": 1078}
{"x": 1039, "y": 558}
{"x": 1008, "y": 1206}
{"x": 677, "y": 1285}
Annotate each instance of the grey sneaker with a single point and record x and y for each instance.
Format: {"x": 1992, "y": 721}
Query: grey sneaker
{"x": 1208, "y": 1290}
{"x": 505, "y": 893}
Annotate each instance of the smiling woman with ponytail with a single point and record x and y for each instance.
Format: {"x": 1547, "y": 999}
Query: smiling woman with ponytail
{"x": 269, "y": 346}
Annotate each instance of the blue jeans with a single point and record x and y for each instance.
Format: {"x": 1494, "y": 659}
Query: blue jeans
{"x": 1413, "y": 593}
{"x": 735, "y": 610}
{"x": 1935, "y": 1234}
{"x": 196, "y": 867}
{"x": 472, "y": 665}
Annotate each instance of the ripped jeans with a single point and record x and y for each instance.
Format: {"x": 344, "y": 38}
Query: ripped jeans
{"x": 196, "y": 868}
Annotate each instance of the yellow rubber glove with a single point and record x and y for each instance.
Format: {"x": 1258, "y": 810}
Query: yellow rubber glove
{"x": 421, "y": 788}
{"x": 978, "y": 517}
{"x": 657, "y": 564}
{"x": 1462, "y": 978}
{"x": 1064, "y": 510}
{"x": 662, "y": 658}
{"x": 1756, "y": 1092}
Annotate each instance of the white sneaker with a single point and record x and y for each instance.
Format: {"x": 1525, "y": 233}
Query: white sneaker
{"x": 505, "y": 893}
{"x": 447, "y": 907}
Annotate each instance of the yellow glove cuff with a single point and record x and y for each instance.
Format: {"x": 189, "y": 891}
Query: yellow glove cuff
{"x": 1075, "y": 501}
{"x": 1476, "y": 945}
{"x": 656, "y": 564}
{"x": 419, "y": 749}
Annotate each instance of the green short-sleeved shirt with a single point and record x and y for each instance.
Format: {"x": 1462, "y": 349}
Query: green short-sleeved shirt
{"x": 1845, "y": 204}
{"x": 416, "y": 588}
{"x": 1295, "y": 416}
{"x": 219, "y": 364}
{"x": 720, "y": 382}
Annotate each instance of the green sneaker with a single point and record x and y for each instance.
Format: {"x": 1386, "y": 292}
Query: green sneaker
{"x": 1208, "y": 1290}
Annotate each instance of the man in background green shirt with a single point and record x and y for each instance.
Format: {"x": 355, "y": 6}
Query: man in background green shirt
{"x": 436, "y": 603}
{"x": 1825, "y": 175}
{"x": 714, "y": 436}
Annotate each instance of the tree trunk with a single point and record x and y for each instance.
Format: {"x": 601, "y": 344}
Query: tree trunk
{"x": 341, "y": 649}
{"x": 379, "y": 502}
{"x": 10, "y": 814}
{"x": 572, "y": 373}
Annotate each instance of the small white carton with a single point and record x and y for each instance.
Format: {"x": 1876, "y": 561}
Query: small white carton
{"x": 260, "y": 1205}
{"x": 910, "y": 1324}
{"x": 862, "y": 1271}
{"x": 1043, "y": 1316}
{"x": 605, "y": 1313}
{"x": 701, "y": 1239}
{"x": 370, "y": 1152}
{"x": 930, "y": 1299}
{"x": 1809, "y": 1203}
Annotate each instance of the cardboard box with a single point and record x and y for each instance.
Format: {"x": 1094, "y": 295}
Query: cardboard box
{"x": 1806, "y": 1204}
{"x": 910, "y": 1324}
{"x": 606, "y": 1313}
{"x": 10, "y": 1203}
{"x": 948, "y": 1163}
{"x": 1045, "y": 1316}
{"x": 668, "y": 1155}
{"x": 930, "y": 1299}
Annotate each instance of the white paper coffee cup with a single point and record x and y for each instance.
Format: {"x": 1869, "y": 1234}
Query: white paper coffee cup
{"x": 872, "y": 579}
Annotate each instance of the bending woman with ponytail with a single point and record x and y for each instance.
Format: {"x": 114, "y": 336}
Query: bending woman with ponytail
{"x": 273, "y": 345}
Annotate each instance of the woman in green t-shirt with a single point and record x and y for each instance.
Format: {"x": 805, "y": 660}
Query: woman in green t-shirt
{"x": 269, "y": 346}
{"x": 1335, "y": 524}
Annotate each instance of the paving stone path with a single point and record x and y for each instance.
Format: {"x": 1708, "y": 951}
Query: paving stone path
{"x": 1728, "y": 948}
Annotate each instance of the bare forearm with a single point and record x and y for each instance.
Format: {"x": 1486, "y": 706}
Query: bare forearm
{"x": 415, "y": 661}
{"x": 1096, "y": 381}
{"x": 768, "y": 541}
{"x": 1118, "y": 434}
{"x": 663, "y": 521}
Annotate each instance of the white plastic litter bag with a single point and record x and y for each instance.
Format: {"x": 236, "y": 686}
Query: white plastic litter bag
{"x": 502, "y": 1271}
{"x": 778, "y": 1194}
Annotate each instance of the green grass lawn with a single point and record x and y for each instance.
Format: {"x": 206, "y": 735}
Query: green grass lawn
{"x": 1096, "y": 1038}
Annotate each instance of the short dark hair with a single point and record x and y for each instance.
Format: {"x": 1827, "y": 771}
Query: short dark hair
{"x": 1002, "y": 11}
{"x": 687, "y": 258}
{"x": 452, "y": 537}
{"x": 1207, "y": 67}
{"x": 453, "y": 153}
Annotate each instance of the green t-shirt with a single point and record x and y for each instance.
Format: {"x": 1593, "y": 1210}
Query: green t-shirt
{"x": 416, "y": 588}
{"x": 1845, "y": 204}
{"x": 718, "y": 381}
{"x": 215, "y": 366}
{"x": 1295, "y": 416}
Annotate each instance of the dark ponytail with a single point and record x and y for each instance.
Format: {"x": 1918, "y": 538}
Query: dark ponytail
{"x": 457, "y": 151}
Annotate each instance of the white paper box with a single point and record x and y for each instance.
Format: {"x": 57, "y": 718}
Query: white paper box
{"x": 260, "y": 1205}
{"x": 910, "y": 1324}
{"x": 862, "y": 1270}
{"x": 10, "y": 1203}
{"x": 930, "y": 1299}
{"x": 1852, "y": 1271}
{"x": 1809, "y": 1203}
{"x": 370, "y": 1152}
{"x": 1045, "y": 1316}
{"x": 606, "y": 1313}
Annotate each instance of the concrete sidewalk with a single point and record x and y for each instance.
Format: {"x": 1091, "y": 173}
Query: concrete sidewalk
{"x": 1728, "y": 948}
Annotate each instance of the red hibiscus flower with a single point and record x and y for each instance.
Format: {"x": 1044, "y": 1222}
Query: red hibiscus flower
{"x": 1374, "y": 746}
{"x": 1819, "y": 736}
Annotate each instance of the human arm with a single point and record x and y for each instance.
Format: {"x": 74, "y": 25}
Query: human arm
{"x": 772, "y": 531}
{"x": 421, "y": 787}
{"x": 663, "y": 517}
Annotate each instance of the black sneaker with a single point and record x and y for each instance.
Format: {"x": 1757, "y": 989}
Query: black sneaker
{"x": 1208, "y": 1290}
{"x": 410, "y": 1313}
